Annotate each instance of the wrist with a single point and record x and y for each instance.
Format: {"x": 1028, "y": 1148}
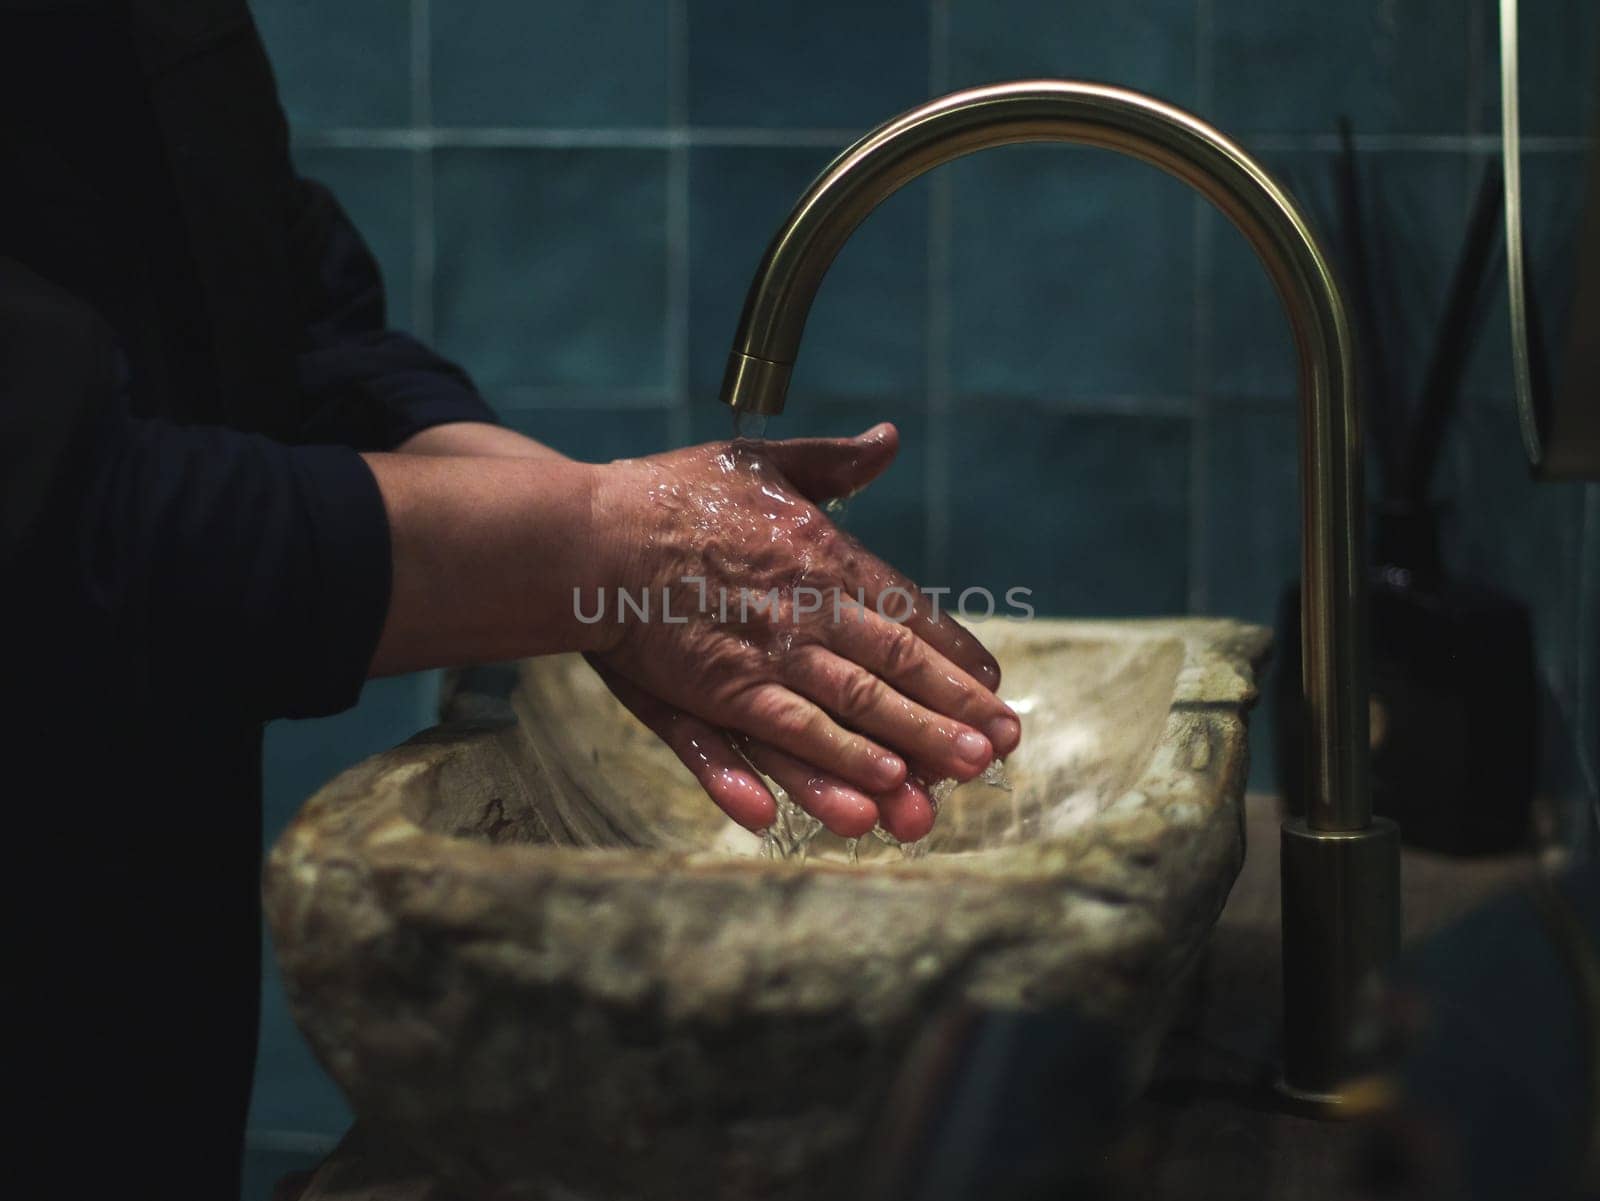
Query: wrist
{"x": 605, "y": 553}
{"x": 477, "y": 439}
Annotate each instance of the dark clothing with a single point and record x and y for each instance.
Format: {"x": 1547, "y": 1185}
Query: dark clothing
{"x": 192, "y": 350}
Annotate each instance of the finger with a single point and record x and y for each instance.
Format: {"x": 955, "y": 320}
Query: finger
{"x": 706, "y": 751}
{"x": 823, "y": 468}
{"x": 865, "y": 702}
{"x": 790, "y": 723}
{"x": 920, "y": 672}
{"x": 907, "y": 812}
{"x": 895, "y": 596}
{"x": 843, "y": 809}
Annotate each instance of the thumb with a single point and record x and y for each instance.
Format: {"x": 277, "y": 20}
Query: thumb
{"x": 823, "y": 468}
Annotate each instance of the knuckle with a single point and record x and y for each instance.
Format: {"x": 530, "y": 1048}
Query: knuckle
{"x": 901, "y": 650}
{"x": 859, "y": 694}
{"x": 805, "y": 663}
{"x": 785, "y": 714}
{"x": 733, "y": 691}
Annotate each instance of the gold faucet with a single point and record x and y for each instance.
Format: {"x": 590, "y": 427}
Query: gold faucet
{"x": 1340, "y": 865}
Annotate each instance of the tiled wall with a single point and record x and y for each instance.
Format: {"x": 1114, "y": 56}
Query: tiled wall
{"x": 1093, "y": 380}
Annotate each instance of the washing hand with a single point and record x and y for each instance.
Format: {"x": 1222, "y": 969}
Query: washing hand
{"x": 768, "y": 658}
{"x": 754, "y": 650}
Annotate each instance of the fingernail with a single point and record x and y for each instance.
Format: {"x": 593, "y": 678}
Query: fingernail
{"x": 974, "y": 748}
{"x": 1004, "y": 733}
{"x": 891, "y": 771}
{"x": 989, "y": 676}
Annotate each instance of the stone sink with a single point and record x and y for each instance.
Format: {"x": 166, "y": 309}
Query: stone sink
{"x": 530, "y": 950}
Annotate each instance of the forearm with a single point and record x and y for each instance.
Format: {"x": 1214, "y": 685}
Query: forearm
{"x": 477, "y": 438}
{"x": 486, "y": 553}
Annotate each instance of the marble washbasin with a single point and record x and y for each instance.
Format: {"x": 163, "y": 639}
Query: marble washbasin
{"x": 533, "y": 951}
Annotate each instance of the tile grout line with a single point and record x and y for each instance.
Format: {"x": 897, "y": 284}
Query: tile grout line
{"x": 936, "y": 492}
{"x": 430, "y": 137}
{"x": 423, "y": 244}
{"x": 677, "y": 219}
{"x": 1414, "y": 143}
{"x": 1201, "y": 429}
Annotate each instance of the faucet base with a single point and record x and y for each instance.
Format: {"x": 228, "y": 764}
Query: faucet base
{"x": 1341, "y": 929}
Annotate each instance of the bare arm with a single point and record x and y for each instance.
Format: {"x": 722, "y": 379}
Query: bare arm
{"x": 850, "y": 715}
{"x": 486, "y": 554}
{"x": 477, "y": 438}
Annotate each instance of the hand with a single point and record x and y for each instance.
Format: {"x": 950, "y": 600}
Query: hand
{"x": 844, "y": 708}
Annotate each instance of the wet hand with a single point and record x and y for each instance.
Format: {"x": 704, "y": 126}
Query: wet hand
{"x": 759, "y": 633}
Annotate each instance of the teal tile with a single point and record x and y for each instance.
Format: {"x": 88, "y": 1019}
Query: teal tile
{"x": 890, "y": 517}
{"x": 551, "y": 266}
{"x": 507, "y": 62}
{"x": 1415, "y": 211}
{"x": 867, "y": 333}
{"x": 1252, "y": 508}
{"x": 1089, "y": 511}
{"x": 1148, "y": 45}
{"x": 344, "y": 64}
{"x": 1071, "y": 274}
{"x": 1296, "y": 66}
{"x": 798, "y": 63}
{"x": 595, "y": 434}
{"x": 1251, "y": 537}
{"x": 375, "y": 188}
{"x": 1251, "y": 351}
{"x": 292, "y": 1091}
{"x": 1516, "y": 534}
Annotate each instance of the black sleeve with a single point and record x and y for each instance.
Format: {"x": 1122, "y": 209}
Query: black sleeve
{"x": 55, "y": 372}
{"x": 361, "y": 384}
{"x": 192, "y": 561}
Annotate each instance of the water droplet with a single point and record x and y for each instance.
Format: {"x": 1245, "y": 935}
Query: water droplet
{"x": 995, "y": 775}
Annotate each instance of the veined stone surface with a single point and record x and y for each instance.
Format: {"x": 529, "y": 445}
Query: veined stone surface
{"x": 536, "y": 955}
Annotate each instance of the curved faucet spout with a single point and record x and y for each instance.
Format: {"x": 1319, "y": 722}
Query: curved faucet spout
{"x": 1043, "y": 110}
{"x": 1333, "y": 561}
